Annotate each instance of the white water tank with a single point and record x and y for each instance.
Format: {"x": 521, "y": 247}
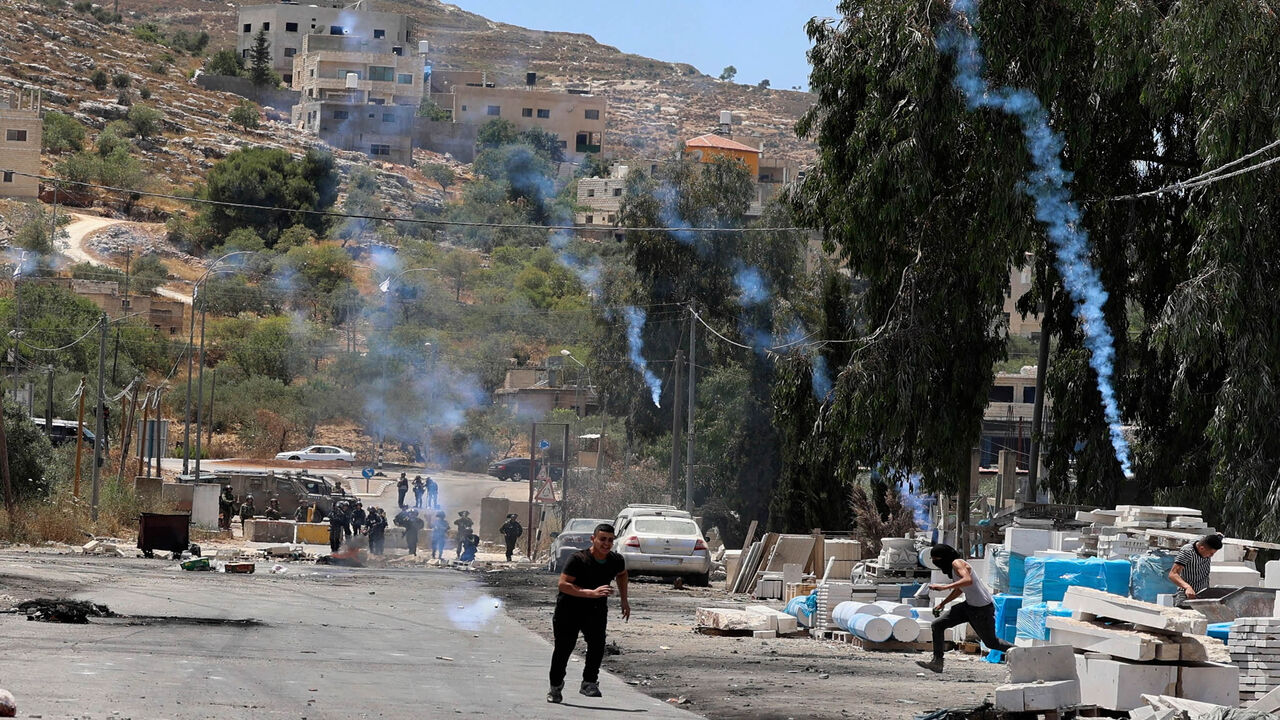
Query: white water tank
{"x": 726, "y": 117}
{"x": 424, "y": 47}
{"x": 353, "y": 81}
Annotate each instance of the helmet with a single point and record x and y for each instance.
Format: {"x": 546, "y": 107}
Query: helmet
{"x": 248, "y": 497}
{"x": 440, "y": 514}
{"x": 463, "y": 513}
{"x": 512, "y": 516}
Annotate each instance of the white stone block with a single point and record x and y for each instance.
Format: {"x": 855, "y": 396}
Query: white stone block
{"x": 1029, "y": 697}
{"x": 1210, "y": 682}
{"x": 1048, "y": 662}
{"x": 1026, "y": 541}
{"x": 1271, "y": 574}
{"x": 733, "y": 619}
{"x": 1233, "y": 575}
{"x": 1117, "y": 685}
{"x": 764, "y": 634}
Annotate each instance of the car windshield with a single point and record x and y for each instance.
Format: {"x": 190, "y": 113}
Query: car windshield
{"x": 581, "y": 526}
{"x": 665, "y": 526}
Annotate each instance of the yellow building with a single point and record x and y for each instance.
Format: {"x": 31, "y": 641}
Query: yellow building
{"x": 706, "y": 148}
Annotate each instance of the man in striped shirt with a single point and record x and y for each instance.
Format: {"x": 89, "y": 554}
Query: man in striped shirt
{"x": 1191, "y": 568}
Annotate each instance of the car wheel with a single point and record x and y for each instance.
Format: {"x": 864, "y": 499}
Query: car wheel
{"x": 294, "y": 457}
{"x": 700, "y": 580}
{"x": 520, "y": 477}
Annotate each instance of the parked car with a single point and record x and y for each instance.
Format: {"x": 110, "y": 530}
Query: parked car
{"x": 575, "y": 536}
{"x": 64, "y": 431}
{"x": 663, "y": 545}
{"x": 636, "y": 509}
{"x": 318, "y": 452}
{"x": 517, "y": 468}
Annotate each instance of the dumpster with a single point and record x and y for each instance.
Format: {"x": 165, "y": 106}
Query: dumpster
{"x": 1224, "y": 604}
{"x": 164, "y": 531}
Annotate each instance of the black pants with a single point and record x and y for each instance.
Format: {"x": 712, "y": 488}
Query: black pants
{"x": 411, "y": 540}
{"x": 567, "y": 622}
{"x": 982, "y": 619}
{"x": 375, "y": 543}
{"x": 417, "y": 499}
{"x": 511, "y": 546}
{"x": 400, "y": 502}
{"x": 335, "y": 538}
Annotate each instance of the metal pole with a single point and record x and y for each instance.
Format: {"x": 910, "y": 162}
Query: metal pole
{"x": 1028, "y": 493}
{"x": 675, "y": 421}
{"x": 213, "y": 391}
{"x": 688, "y": 450}
{"x": 10, "y": 502}
{"x": 142, "y": 434}
{"x": 199, "y": 392}
{"x": 186, "y": 416}
{"x": 75, "y": 482}
{"x": 533, "y": 466}
{"x": 48, "y": 405}
{"x": 99, "y": 426}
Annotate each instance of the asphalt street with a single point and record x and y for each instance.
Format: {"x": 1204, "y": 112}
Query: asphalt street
{"x": 313, "y": 642}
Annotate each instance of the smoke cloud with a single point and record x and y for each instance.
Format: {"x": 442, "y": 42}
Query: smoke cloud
{"x": 635, "y": 345}
{"x": 1047, "y": 186}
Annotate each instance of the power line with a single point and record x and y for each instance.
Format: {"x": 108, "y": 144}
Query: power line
{"x": 390, "y": 218}
{"x": 1211, "y": 176}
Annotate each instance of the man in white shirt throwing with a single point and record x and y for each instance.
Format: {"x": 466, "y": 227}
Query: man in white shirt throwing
{"x": 978, "y": 608}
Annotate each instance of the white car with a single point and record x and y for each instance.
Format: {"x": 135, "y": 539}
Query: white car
{"x": 658, "y": 545}
{"x": 318, "y": 452}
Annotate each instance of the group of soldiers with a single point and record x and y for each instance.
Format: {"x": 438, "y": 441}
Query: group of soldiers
{"x": 429, "y": 487}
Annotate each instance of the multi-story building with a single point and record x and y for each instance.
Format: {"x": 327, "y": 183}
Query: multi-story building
{"x": 600, "y": 199}
{"x": 576, "y": 116}
{"x": 1019, "y": 285}
{"x": 288, "y": 23}
{"x": 1006, "y": 422}
{"x": 20, "y": 137}
{"x": 358, "y": 95}
{"x": 771, "y": 174}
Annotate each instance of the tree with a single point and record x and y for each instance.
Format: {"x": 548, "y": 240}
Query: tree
{"x": 270, "y": 178}
{"x": 62, "y": 133}
{"x": 147, "y": 273}
{"x": 245, "y": 115}
{"x": 442, "y": 174}
{"x": 260, "y": 70}
{"x": 100, "y": 79}
{"x": 728, "y": 73}
{"x": 29, "y": 454}
{"x": 122, "y": 81}
{"x": 458, "y": 265}
{"x": 496, "y": 133}
{"x": 432, "y": 111}
{"x": 146, "y": 121}
{"x": 115, "y": 135}
{"x": 225, "y": 62}
{"x": 547, "y": 144}
{"x": 763, "y": 84}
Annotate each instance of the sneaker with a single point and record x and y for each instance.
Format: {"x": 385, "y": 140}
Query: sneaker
{"x": 934, "y": 665}
{"x": 553, "y": 695}
{"x": 590, "y": 689}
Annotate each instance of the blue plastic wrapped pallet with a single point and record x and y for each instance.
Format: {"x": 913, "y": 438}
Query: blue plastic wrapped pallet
{"x": 1048, "y": 578}
{"x": 1007, "y": 615}
{"x": 1150, "y": 575}
{"x": 1032, "y": 619}
{"x": 1006, "y": 572}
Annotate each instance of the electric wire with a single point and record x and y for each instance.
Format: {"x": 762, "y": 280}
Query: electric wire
{"x": 1211, "y": 176}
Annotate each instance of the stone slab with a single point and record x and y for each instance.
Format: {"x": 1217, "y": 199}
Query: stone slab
{"x": 1037, "y": 696}
{"x": 1045, "y": 663}
{"x": 1144, "y": 614}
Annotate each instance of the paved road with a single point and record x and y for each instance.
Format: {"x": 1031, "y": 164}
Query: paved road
{"x": 323, "y": 643}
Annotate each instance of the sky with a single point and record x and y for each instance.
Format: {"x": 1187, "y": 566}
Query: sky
{"x": 763, "y": 39}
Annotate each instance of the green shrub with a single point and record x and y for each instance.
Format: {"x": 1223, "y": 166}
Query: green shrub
{"x": 245, "y": 115}
{"x": 62, "y": 133}
{"x": 122, "y": 81}
{"x": 145, "y": 120}
{"x": 99, "y": 79}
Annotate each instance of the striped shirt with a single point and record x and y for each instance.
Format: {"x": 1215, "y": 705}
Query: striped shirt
{"x": 1195, "y": 570}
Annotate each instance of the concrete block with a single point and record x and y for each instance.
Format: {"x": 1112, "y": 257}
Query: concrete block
{"x": 1065, "y": 541}
{"x": 764, "y": 634}
{"x": 313, "y": 533}
{"x": 1271, "y": 574}
{"x": 1047, "y": 663}
{"x": 1030, "y": 697}
{"x": 1118, "y": 685}
{"x": 732, "y": 619}
{"x": 1026, "y": 541}
{"x": 1215, "y": 683}
{"x": 1233, "y": 575}
{"x": 272, "y": 531}
{"x": 1143, "y": 614}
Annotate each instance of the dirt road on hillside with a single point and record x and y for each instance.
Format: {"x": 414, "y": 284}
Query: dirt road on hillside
{"x": 735, "y": 677}
{"x": 81, "y": 227}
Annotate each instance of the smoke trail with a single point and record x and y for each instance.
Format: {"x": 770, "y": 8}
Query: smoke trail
{"x": 820, "y": 377}
{"x": 635, "y": 323}
{"x": 1047, "y": 186}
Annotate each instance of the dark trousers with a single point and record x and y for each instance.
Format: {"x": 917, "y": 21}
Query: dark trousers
{"x": 511, "y": 545}
{"x": 431, "y": 498}
{"x": 417, "y": 499}
{"x": 565, "y": 625}
{"x": 437, "y": 546}
{"x": 335, "y": 538}
{"x": 375, "y": 543}
{"x": 411, "y": 540}
{"x": 981, "y": 619}
{"x": 400, "y": 502}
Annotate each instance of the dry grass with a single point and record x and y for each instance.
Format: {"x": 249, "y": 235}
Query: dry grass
{"x": 64, "y": 518}
{"x": 588, "y": 496}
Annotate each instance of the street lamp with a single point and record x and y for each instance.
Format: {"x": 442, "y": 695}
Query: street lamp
{"x": 191, "y": 339}
{"x": 566, "y": 353}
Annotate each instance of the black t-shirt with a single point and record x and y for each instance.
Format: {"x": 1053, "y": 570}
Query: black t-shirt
{"x": 589, "y": 574}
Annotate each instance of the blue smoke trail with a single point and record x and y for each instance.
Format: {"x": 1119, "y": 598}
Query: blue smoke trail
{"x": 820, "y": 377}
{"x": 1047, "y": 186}
{"x": 635, "y": 323}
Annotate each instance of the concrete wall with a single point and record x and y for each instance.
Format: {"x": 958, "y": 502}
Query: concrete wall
{"x": 360, "y": 127}
{"x": 457, "y": 139}
{"x": 315, "y": 18}
{"x": 320, "y": 71}
{"x": 20, "y": 154}
{"x": 278, "y": 98}
{"x": 566, "y": 114}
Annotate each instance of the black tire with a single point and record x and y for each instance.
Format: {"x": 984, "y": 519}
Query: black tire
{"x": 700, "y": 580}
{"x": 294, "y": 457}
{"x": 520, "y": 477}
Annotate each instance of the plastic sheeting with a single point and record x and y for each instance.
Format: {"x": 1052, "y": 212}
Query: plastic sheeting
{"x": 1006, "y": 571}
{"x": 1032, "y": 619}
{"x": 1047, "y": 579}
{"x": 1149, "y": 576}
{"x": 802, "y": 607}
{"x": 1007, "y": 615}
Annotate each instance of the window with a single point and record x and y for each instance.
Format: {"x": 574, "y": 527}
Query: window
{"x": 586, "y": 142}
{"x": 464, "y": 108}
{"x": 248, "y": 28}
{"x": 493, "y": 110}
{"x": 376, "y": 149}
{"x": 397, "y": 50}
{"x": 590, "y": 220}
{"x": 290, "y": 52}
{"x": 381, "y": 73}
{"x": 564, "y": 144}
{"x": 388, "y": 117}
{"x": 336, "y": 30}
{"x": 341, "y": 115}
{"x": 612, "y": 218}
{"x": 617, "y": 192}
{"x": 665, "y": 526}
{"x": 544, "y": 113}
{"x": 313, "y": 72}
{"x": 593, "y": 114}
{"x": 404, "y": 79}
{"x": 1000, "y": 393}
{"x": 8, "y": 176}
{"x": 591, "y": 193}
{"x": 379, "y": 33}
{"x": 244, "y": 54}
{"x": 291, "y": 27}
{"x": 1029, "y": 394}
{"x": 15, "y": 135}
{"x": 526, "y": 112}
{"x": 266, "y": 26}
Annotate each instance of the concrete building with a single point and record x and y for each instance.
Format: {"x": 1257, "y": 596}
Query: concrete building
{"x": 600, "y": 199}
{"x": 1006, "y": 421}
{"x": 532, "y": 391}
{"x": 576, "y": 117}
{"x": 20, "y": 137}
{"x": 288, "y": 23}
{"x": 1019, "y": 285}
{"x": 358, "y": 95}
{"x": 771, "y": 174}
{"x": 165, "y": 316}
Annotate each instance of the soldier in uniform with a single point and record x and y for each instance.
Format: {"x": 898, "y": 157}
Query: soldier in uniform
{"x": 418, "y": 490}
{"x": 402, "y": 487}
{"x": 412, "y": 524}
{"x": 226, "y": 507}
{"x": 464, "y": 524}
{"x": 511, "y": 532}
{"x": 273, "y": 509}
{"x": 433, "y": 493}
{"x": 439, "y": 532}
{"x": 301, "y": 514}
{"x": 357, "y": 517}
{"x": 470, "y": 544}
{"x": 337, "y": 525}
{"x": 247, "y": 510}
{"x": 376, "y": 525}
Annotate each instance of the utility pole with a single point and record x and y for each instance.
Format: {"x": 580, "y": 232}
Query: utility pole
{"x": 186, "y": 417}
{"x": 48, "y": 405}
{"x": 1028, "y": 493}
{"x": 213, "y": 392}
{"x": 75, "y": 482}
{"x": 675, "y": 421}
{"x": 688, "y": 450}
{"x": 142, "y": 435}
{"x": 199, "y": 390}
{"x": 99, "y": 426}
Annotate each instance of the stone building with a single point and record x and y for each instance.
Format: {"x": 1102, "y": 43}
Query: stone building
{"x": 289, "y": 23}
{"x": 20, "y": 138}
{"x": 575, "y": 116}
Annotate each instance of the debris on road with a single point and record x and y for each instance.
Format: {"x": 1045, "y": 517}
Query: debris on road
{"x": 75, "y": 612}
{"x": 8, "y": 705}
{"x": 101, "y": 547}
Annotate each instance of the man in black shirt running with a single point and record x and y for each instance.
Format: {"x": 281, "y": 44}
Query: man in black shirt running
{"x": 582, "y": 607}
